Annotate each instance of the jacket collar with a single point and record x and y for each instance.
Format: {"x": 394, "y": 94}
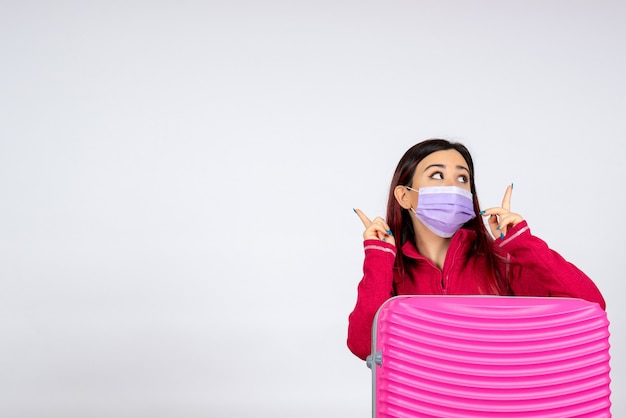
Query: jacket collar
{"x": 462, "y": 238}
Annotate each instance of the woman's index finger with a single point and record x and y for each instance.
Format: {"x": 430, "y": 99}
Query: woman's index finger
{"x": 506, "y": 201}
{"x": 366, "y": 221}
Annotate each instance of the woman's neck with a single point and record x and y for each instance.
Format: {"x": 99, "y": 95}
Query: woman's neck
{"x": 430, "y": 245}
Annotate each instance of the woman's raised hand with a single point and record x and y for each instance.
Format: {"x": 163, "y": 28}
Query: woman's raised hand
{"x": 376, "y": 229}
{"x": 502, "y": 219}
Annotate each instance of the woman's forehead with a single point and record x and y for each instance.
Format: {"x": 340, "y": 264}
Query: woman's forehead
{"x": 449, "y": 158}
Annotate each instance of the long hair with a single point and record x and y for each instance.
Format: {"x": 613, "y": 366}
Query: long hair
{"x": 399, "y": 219}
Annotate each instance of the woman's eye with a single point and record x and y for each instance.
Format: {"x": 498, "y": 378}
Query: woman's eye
{"x": 463, "y": 179}
{"x": 437, "y": 176}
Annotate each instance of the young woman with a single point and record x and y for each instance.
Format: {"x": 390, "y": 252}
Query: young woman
{"x": 434, "y": 242}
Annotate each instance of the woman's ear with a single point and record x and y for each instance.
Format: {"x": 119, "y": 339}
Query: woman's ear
{"x": 402, "y": 197}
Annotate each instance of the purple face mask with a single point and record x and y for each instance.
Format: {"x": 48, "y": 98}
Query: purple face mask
{"x": 444, "y": 210}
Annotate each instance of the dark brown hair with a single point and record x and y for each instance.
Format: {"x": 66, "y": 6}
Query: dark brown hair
{"x": 399, "y": 219}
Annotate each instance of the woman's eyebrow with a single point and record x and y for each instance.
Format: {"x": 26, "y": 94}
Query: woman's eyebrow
{"x": 435, "y": 166}
{"x": 458, "y": 167}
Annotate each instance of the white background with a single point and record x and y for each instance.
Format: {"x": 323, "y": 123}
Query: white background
{"x": 177, "y": 181}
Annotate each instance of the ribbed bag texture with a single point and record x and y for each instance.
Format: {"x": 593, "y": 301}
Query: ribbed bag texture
{"x": 474, "y": 356}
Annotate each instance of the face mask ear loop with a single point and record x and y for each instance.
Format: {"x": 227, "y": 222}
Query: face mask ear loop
{"x": 413, "y": 190}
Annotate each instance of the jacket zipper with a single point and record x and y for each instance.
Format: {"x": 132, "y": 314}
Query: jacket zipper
{"x": 445, "y": 273}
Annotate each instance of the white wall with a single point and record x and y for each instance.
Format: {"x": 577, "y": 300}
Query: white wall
{"x": 177, "y": 181}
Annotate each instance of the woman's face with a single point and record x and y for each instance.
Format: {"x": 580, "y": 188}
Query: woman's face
{"x": 442, "y": 168}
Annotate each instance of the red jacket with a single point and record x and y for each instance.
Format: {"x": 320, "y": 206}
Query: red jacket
{"x": 529, "y": 266}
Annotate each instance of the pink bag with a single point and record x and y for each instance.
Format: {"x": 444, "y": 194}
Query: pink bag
{"x": 484, "y": 356}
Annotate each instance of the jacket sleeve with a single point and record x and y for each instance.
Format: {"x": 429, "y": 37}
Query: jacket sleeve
{"x": 536, "y": 270}
{"x": 375, "y": 288}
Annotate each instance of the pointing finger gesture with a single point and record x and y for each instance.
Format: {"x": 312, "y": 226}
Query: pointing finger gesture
{"x": 506, "y": 200}
{"x": 502, "y": 219}
{"x": 376, "y": 229}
